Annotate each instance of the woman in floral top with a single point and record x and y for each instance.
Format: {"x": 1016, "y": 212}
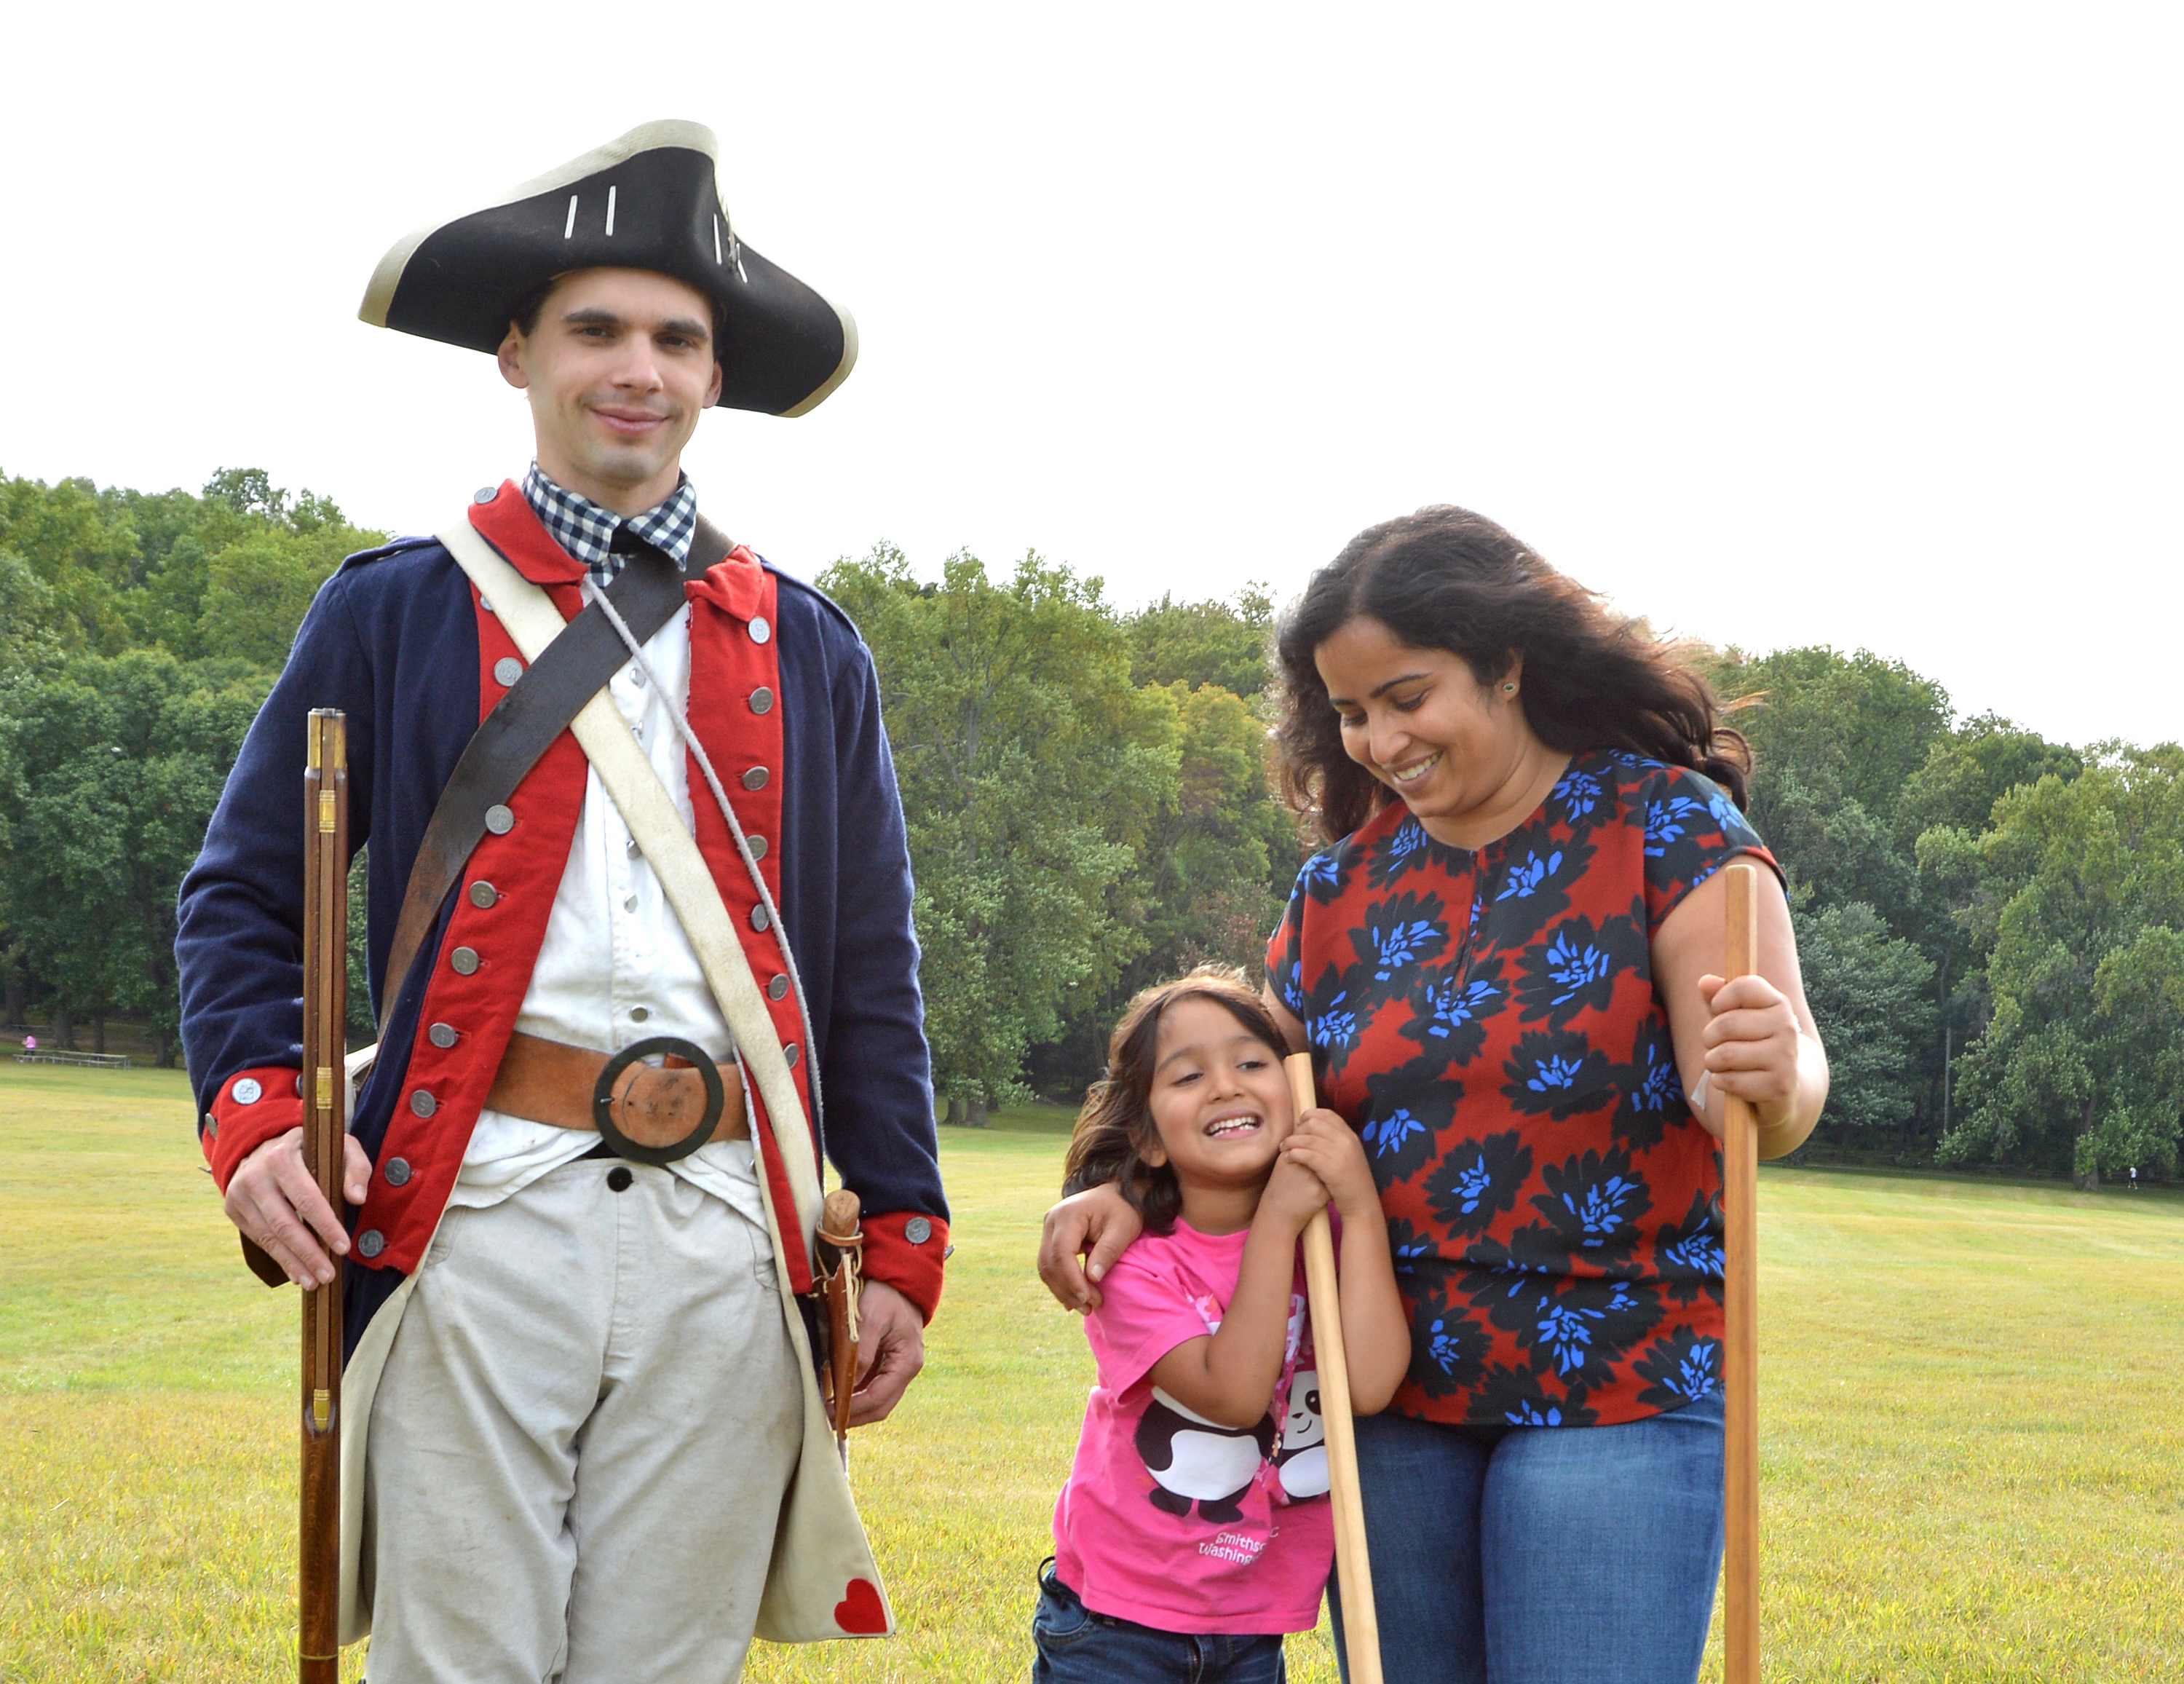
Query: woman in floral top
{"x": 1503, "y": 963}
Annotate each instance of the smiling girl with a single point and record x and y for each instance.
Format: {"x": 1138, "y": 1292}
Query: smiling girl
{"x": 1194, "y": 1530}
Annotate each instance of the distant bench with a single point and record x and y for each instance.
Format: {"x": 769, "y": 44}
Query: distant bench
{"x": 100, "y": 1061}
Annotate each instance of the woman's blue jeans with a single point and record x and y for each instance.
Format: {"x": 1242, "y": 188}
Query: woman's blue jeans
{"x": 1543, "y": 1555}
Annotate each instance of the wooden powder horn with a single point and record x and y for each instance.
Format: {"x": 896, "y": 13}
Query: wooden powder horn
{"x": 325, "y": 1042}
{"x": 1739, "y": 1199}
{"x": 1353, "y": 1567}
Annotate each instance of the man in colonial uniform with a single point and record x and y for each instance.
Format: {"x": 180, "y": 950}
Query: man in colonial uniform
{"x": 581, "y": 1435}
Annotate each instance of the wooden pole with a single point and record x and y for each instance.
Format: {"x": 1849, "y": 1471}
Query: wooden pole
{"x": 1353, "y": 1567}
{"x": 1739, "y": 1198}
{"x": 325, "y": 1043}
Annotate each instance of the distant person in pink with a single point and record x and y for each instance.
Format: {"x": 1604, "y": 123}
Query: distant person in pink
{"x": 1195, "y": 1528}
{"x": 29, "y": 1043}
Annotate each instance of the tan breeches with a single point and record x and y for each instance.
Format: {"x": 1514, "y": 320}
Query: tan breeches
{"x": 581, "y": 1443}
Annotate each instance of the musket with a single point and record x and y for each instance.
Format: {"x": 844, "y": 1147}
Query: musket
{"x": 325, "y": 1042}
{"x": 1353, "y": 1564}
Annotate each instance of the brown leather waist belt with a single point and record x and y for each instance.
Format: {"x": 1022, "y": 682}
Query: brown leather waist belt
{"x": 655, "y": 1105}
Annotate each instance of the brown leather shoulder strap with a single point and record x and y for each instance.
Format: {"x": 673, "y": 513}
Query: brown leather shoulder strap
{"x": 537, "y": 708}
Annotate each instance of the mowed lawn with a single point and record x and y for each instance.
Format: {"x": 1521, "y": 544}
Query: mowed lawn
{"x": 1973, "y": 1432}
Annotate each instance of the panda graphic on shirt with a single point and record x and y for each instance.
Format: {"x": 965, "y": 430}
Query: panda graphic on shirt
{"x": 1194, "y": 1460}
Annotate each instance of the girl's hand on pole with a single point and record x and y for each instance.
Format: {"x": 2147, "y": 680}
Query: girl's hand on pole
{"x": 1752, "y": 1045}
{"x": 1328, "y": 1147}
{"x": 1098, "y": 1221}
{"x": 1293, "y": 1196}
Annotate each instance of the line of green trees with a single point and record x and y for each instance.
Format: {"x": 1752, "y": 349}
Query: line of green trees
{"x": 1992, "y": 925}
{"x": 138, "y": 634}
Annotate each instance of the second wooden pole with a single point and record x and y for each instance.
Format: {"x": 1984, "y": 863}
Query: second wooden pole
{"x": 1740, "y": 1366}
{"x": 1353, "y": 1566}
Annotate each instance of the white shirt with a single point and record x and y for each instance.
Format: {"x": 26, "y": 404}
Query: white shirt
{"x": 615, "y": 966}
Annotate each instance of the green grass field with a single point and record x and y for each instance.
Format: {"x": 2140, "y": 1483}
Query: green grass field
{"x": 1973, "y": 1432}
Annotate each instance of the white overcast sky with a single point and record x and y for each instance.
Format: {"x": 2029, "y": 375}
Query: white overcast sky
{"x": 1855, "y": 324}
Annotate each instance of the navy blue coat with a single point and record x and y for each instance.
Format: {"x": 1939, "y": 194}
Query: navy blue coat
{"x": 398, "y": 640}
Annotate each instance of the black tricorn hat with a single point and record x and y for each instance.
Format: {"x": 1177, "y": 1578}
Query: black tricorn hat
{"x": 650, "y": 200}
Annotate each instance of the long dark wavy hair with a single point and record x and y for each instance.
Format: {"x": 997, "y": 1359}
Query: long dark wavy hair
{"x": 1115, "y": 1135}
{"x": 1446, "y": 578}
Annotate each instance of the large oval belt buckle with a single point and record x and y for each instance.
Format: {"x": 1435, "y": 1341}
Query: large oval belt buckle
{"x": 603, "y": 1100}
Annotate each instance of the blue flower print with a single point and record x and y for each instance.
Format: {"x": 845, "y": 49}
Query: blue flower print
{"x": 1509, "y": 1397}
{"x": 1322, "y": 876}
{"x": 1586, "y": 1321}
{"x": 1448, "y": 1011}
{"x": 1687, "y": 1255}
{"x": 1390, "y": 1134}
{"x": 1406, "y": 1116}
{"x": 1527, "y": 879}
{"x": 1576, "y": 970}
{"x": 1561, "y": 1076}
{"x": 1679, "y": 1370}
{"x": 1666, "y": 821}
{"x": 1399, "y": 933}
{"x": 1407, "y": 1246}
{"x": 1577, "y": 794}
{"x": 1330, "y": 1018}
{"x": 1448, "y": 1348}
{"x": 1652, "y": 1093}
{"x": 1477, "y": 1180}
{"x": 1593, "y": 1203}
{"x": 1697, "y": 1254}
{"x": 1400, "y": 851}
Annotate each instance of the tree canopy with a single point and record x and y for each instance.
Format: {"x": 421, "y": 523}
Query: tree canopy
{"x": 1991, "y": 925}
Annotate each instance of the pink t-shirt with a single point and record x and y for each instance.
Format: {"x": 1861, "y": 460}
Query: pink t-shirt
{"x": 1169, "y": 1520}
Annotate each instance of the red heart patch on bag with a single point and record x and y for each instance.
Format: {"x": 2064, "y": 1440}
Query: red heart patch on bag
{"x": 860, "y": 1612}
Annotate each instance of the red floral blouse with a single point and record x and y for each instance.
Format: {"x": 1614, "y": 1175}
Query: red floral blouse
{"x": 1487, "y": 1023}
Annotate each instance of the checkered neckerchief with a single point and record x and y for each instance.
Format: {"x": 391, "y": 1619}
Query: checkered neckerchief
{"x": 585, "y": 530}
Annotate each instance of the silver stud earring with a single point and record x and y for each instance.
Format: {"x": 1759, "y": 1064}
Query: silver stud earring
{"x": 1511, "y": 689}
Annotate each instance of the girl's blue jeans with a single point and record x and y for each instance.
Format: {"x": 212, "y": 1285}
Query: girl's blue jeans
{"x": 1073, "y": 1645}
{"x": 1543, "y": 1555}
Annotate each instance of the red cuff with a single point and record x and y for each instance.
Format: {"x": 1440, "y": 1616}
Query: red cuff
{"x": 252, "y": 1107}
{"x": 907, "y": 1250}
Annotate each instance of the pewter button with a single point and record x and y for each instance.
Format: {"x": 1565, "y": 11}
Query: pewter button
{"x": 396, "y": 1171}
{"x": 759, "y": 919}
{"x": 212, "y": 1127}
{"x": 631, "y": 848}
{"x": 762, "y": 701}
{"x": 791, "y": 1052}
{"x": 247, "y": 1091}
{"x": 755, "y": 778}
{"x": 483, "y": 894}
{"x": 465, "y": 960}
{"x": 757, "y": 846}
{"x": 917, "y": 1230}
{"x": 485, "y": 494}
{"x": 499, "y": 820}
{"x": 485, "y": 602}
{"x": 423, "y": 1103}
{"x": 638, "y": 1013}
{"x": 442, "y": 1035}
{"x": 778, "y": 988}
{"x": 507, "y": 670}
{"x": 370, "y": 1243}
{"x": 760, "y": 630}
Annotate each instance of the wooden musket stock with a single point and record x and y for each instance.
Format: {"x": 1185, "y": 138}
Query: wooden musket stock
{"x": 1353, "y": 1566}
{"x": 326, "y": 1012}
